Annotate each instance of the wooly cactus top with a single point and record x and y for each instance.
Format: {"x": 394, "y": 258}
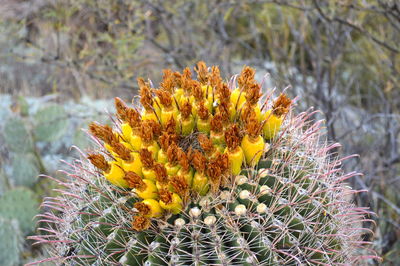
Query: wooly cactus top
{"x": 206, "y": 172}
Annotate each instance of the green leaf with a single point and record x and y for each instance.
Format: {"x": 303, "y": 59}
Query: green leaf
{"x": 51, "y": 123}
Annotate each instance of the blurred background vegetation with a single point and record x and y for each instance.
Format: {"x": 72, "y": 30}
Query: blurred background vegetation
{"x": 61, "y": 62}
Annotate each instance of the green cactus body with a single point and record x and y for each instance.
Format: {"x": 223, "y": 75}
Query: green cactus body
{"x": 288, "y": 209}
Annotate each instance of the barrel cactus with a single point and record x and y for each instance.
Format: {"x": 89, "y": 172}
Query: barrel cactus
{"x": 206, "y": 172}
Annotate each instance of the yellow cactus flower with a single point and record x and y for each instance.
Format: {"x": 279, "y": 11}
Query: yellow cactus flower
{"x": 134, "y": 165}
{"x": 273, "y": 118}
{"x": 170, "y": 201}
{"x": 116, "y": 175}
{"x": 252, "y": 143}
{"x": 148, "y": 191}
{"x": 200, "y": 184}
{"x": 149, "y": 208}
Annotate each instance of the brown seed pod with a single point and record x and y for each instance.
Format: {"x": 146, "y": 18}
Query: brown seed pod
{"x": 281, "y": 105}
{"x": 146, "y": 158}
{"x": 99, "y": 161}
{"x": 134, "y": 181}
{"x": 140, "y": 223}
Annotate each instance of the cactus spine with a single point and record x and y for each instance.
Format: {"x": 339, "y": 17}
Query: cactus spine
{"x": 221, "y": 192}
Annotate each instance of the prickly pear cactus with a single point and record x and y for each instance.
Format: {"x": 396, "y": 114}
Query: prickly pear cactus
{"x": 206, "y": 173}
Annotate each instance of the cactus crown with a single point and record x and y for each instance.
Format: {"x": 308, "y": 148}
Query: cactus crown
{"x": 202, "y": 175}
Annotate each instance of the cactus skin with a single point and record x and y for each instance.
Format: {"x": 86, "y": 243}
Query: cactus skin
{"x": 288, "y": 209}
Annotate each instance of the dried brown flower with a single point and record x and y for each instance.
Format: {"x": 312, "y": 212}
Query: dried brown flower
{"x": 165, "y": 97}
{"x": 146, "y": 131}
{"x": 104, "y": 133}
{"x": 217, "y": 123}
{"x": 186, "y": 109}
{"x": 253, "y": 127}
{"x": 177, "y": 79}
{"x": 166, "y": 139}
{"x": 161, "y": 173}
{"x": 253, "y": 94}
{"x": 168, "y": 82}
{"x": 99, "y": 161}
{"x": 121, "y": 108}
{"x": 140, "y": 223}
{"x": 146, "y": 98}
{"x": 281, "y": 105}
{"x": 233, "y": 137}
{"x": 135, "y": 181}
{"x": 203, "y": 111}
{"x": 205, "y": 143}
{"x": 197, "y": 91}
{"x": 123, "y": 152}
{"x": 223, "y": 92}
{"x": 246, "y": 78}
{"x": 183, "y": 160}
{"x": 215, "y": 77}
{"x": 223, "y": 111}
{"x": 146, "y": 158}
{"x": 198, "y": 160}
{"x": 165, "y": 195}
{"x": 172, "y": 153}
{"x": 142, "y": 208}
{"x": 180, "y": 185}
{"x": 202, "y": 72}
{"x": 247, "y": 113}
